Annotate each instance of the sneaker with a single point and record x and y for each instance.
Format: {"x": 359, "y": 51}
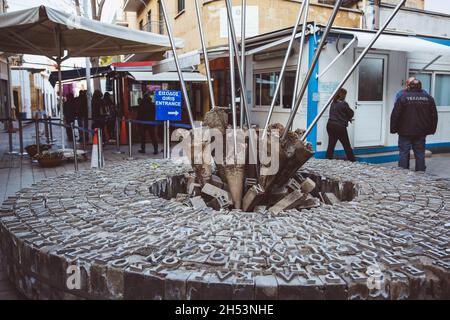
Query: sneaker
{"x": 141, "y": 151}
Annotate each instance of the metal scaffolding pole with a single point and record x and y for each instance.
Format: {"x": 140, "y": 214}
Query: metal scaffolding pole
{"x": 283, "y": 68}
{"x": 233, "y": 89}
{"x": 348, "y": 46}
{"x": 177, "y": 63}
{"x": 353, "y": 68}
{"x": 243, "y": 32}
{"x": 252, "y": 141}
{"x": 311, "y": 68}
{"x": 300, "y": 55}
{"x": 236, "y": 53}
{"x": 205, "y": 54}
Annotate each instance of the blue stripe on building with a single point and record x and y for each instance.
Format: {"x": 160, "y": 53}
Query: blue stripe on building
{"x": 313, "y": 93}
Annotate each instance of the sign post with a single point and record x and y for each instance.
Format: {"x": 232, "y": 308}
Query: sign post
{"x": 168, "y": 108}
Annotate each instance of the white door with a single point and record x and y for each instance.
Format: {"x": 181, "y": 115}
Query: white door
{"x": 371, "y": 97}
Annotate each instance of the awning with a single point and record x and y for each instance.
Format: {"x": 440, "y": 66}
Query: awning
{"x": 168, "y": 77}
{"x": 186, "y": 60}
{"x": 398, "y": 42}
{"x": 78, "y": 74}
{"x": 138, "y": 66}
{"x": 40, "y": 30}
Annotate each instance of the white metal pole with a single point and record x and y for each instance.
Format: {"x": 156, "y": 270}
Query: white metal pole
{"x": 233, "y": 90}
{"x": 205, "y": 54}
{"x": 300, "y": 56}
{"x": 243, "y": 57}
{"x": 314, "y": 62}
{"x": 88, "y": 72}
{"x": 252, "y": 141}
{"x": 177, "y": 63}
{"x": 353, "y": 68}
{"x": 61, "y": 103}
{"x": 324, "y": 71}
{"x": 283, "y": 68}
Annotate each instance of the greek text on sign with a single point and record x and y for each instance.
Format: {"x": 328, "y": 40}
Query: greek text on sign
{"x": 168, "y": 105}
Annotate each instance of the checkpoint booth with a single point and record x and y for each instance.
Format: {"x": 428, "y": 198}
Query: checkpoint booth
{"x": 137, "y": 78}
{"x": 371, "y": 89}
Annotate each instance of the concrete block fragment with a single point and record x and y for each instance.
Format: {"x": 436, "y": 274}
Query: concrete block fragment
{"x": 308, "y": 186}
{"x": 216, "y": 181}
{"x": 217, "y": 193}
{"x": 182, "y": 197}
{"x": 330, "y": 198}
{"x": 290, "y": 201}
{"x": 252, "y": 198}
{"x": 307, "y": 203}
{"x": 198, "y": 203}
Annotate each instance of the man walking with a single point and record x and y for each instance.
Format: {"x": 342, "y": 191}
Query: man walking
{"x": 413, "y": 118}
{"x": 146, "y": 112}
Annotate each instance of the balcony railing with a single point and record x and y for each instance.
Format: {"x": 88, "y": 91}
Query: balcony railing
{"x": 157, "y": 26}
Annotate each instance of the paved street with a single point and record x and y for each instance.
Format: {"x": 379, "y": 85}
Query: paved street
{"x": 438, "y": 164}
{"x": 19, "y": 172}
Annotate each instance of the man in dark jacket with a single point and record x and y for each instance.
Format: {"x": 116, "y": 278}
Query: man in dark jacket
{"x": 69, "y": 114}
{"x": 146, "y": 112}
{"x": 414, "y": 118}
{"x": 82, "y": 113}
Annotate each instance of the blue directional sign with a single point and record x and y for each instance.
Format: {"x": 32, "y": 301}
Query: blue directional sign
{"x": 168, "y": 105}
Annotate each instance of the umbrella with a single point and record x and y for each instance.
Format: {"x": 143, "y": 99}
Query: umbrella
{"x": 60, "y": 35}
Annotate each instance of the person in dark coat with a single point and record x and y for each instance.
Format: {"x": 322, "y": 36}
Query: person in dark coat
{"x": 340, "y": 115}
{"x": 414, "y": 117}
{"x": 82, "y": 113}
{"x": 98, "y": 110}
{"x": 69, "y": 114}
{"x": 147, "y": 112}
{"x": 111, "y": 114}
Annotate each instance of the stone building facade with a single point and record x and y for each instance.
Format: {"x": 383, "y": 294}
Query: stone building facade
{"x": 263, "y": 17}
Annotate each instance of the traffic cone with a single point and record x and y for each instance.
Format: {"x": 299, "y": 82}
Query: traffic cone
{"x": 123, "y": 133}
{"x": 95, "y": 163}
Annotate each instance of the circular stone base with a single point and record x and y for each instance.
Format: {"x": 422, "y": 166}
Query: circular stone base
{"x": 102, "y": 234}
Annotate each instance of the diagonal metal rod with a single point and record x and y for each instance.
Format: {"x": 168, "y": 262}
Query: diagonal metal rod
{"x": 283, "y": 68}
{"x": 233, "y": 90}
{"x": 243, "y": 32}
{"x": 348, "y": 46}
{"x": 428, "y": 65}
{"x": 241, "y": 80}
{"x": 311, "y": 68}
{"x": 177, "y": 63}
{"x": 205, "y": 54}
{"x": 353, "y": 68}
{"x": 300, "y": 55}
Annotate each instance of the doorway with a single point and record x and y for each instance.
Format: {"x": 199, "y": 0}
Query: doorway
{"x": 370, "y": 106}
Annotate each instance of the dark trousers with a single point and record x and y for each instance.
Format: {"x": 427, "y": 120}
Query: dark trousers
{"x": 339, "y": 133}
{"x": 69, "y": 131}
{"x": 143, "y": 129}
{"x": 417, "y": 144}
{"x": 83, "y": 123}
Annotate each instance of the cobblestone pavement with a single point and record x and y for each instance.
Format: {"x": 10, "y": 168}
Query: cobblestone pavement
{"x": 391, "y": 241}
{"x": 19, "y": 172}
{"x": 438, "y": 165}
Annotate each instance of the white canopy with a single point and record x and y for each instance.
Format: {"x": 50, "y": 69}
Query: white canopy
{"x": 40, "y": 30}
{"x": 397, "y": 42}
{"x": 168, "y": 77}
